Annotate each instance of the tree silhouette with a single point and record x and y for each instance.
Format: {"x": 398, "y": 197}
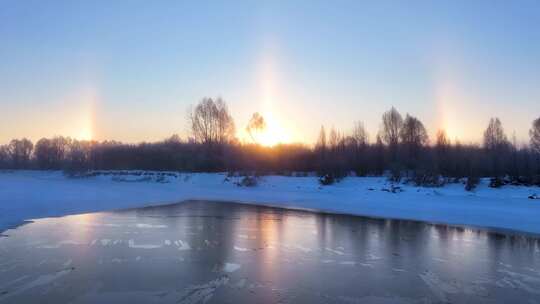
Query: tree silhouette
{"x": 211, "y": 122}
{"x": 255, "y": 126}
{"x": 534, "y": 134}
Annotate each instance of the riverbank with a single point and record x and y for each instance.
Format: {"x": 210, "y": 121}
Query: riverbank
{"x": 34, "y": 194}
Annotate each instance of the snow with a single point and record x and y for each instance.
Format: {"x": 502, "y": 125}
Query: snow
{"x": 35, "y": 194}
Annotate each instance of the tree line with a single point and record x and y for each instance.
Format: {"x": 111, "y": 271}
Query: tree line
{"x": 401, "y": 149}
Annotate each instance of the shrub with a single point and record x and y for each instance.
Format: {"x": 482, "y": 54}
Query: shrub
{"x": 248, "y": 181}
{"x": 395, "y": 173}
{"x": 428, "y": 179}
{"x": 471, "y": 183}
{"x": 327, "y": 179}
{"x": 393, "y": 189}
{"x": 496, "y": 182}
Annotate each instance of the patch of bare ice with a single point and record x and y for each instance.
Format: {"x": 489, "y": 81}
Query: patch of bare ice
{"x": 338, "y": 252}
{"x": 142, "y": 246}
{"x": 182, "y": 245}
{"x": 150, "y": 226}
{"x": 241, "y": 249}
{"x": 231, "y": 267}
{"x": 39, "y": 281}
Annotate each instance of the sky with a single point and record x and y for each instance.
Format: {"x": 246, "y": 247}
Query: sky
{"x": 129, "y": 70}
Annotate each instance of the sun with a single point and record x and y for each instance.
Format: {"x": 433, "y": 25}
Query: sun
{"x": 84, "y": 134}
{"x": 269, "y": 138}
{"x": 274, "y": 133}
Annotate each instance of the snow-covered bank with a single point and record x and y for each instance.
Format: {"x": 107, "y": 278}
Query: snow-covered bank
{"x": 30, "y": 194}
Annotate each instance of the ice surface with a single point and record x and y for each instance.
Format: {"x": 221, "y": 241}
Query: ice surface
{"x": 182, "y": 245}
{"x": 231, "y": 267}
{"x": 33, "y": 194}
{"x": 142, "y": 246}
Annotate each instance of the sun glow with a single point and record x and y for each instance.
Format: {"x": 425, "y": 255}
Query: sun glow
{"x": 274, "y": 133}
{"x": 454, "y": 102}
{"x": 83, "y": 126}
{"x": 84, "y": 134}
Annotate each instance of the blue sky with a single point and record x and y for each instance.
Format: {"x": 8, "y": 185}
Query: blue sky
{"x": 128, "y": 70}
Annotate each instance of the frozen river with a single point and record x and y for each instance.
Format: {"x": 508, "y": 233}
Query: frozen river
{"x": 205, "y": 252}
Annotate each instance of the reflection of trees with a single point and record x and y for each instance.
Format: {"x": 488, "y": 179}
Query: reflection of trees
{"x": 510, "y": 249}
{"x": 352, "y": 233}
{"x": 217, "y": 221}
{"x": 196, "y": 222}
{"x": 324, "y": 232}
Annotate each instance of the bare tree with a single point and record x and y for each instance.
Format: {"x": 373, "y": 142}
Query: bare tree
{"x": 442, "y": 140}
{"x": 379, "y": 155}
{"x": 442, "y": 151}
{"x": 225, "y": 123}
{"x": 211, "y": 148}
{"x": 413, "y": 136}
{"x": 211, "y": 122}
{"x": 534, "y": 134}
{"x": 20, "y": 151}
{"x": 51, "y": 153}
{"x": 359, "y": 134}
{"x": 321, "y": 150}
{"x": 359, "y": 141}
{"x": 78, "y": 158}
{"x": 321, "y": 141}
{"x": 333, "y": 139}
{"x": 255, "y": 126}
{"x": 42, "y": 153}
{"x": 496, "y": 144}
{"x": 413, "y": 132}
{"x": 494, "y": 137}
{"x": 391, "y": 125}
{"x": 4, "y": 156}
